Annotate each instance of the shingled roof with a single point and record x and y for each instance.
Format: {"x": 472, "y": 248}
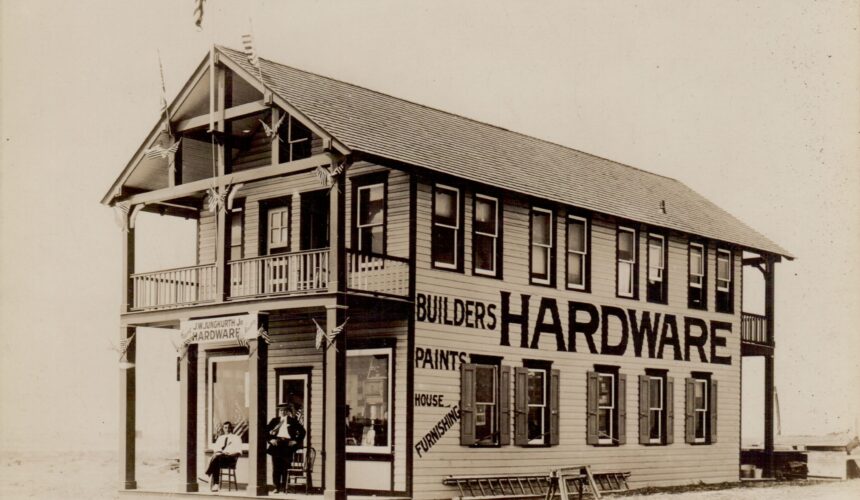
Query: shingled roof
{"x": 379, "y": 124}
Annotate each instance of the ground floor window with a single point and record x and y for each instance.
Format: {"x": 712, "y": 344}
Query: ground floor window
{"x": 606, "y": 394}
{"x": 484, "y": 403}
{"x": 656, "y": 408}
{"x": 537, "y": 405}
{"x": 368, "y": 400}
{"x": 228, "y": 385}
{"x": 701, "y": 411}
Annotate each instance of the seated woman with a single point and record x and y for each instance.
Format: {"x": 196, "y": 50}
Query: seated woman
{"x": 227, "y": 449}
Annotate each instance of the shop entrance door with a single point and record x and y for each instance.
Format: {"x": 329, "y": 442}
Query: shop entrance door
{"x": 294, "y": 388}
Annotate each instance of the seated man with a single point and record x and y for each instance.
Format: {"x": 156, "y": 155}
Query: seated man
{"x": 227, "y": 449}
{"x": 286, "y": 434}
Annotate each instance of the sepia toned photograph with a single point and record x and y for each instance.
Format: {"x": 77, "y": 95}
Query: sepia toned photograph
{"x": 429, "y": 250}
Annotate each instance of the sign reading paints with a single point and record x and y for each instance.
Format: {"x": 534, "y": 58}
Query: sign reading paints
{"x": 225, "y": 328}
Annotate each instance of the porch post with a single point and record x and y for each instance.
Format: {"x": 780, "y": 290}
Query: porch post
{"x": 222, "y": 286}
{"x": 188, "y": 420}
{"x": 335, "y": 355}
{"x": 257, "y": 435}
{"x": 127, "y": 415}
{"x": 769, "y": 366}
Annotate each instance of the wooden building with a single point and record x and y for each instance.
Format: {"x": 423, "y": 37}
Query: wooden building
{"x": 492, "y": 303}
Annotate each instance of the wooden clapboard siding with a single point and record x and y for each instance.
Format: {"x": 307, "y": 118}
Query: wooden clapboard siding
{"x": 257, "y": 154}
{"x": 206, "y": 237}
{"x": 651, "y": 465}
{"x": 197, "y": 159}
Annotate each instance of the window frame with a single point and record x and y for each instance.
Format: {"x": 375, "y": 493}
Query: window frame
{"x": 612, "y": 408}
{"x": 724, "y": 296}
{"x": 359, "y": 183}
{"x": 707, "y": 415}
{"x": 704, "y": 412}
{"x": 664, "y": 271}
{"x": 373, "y": 351}
{"x": 497, "y": 238}
{"x": 238, "y": 212}
{"x": 703, "y": 286}
{"x": 661, "y": 409}
{"x": 495, "y": 438}
{"x": 550, "y": 248}
{"x": 634, "y": 264}
{"x": 585, "y": 253}
{"x": 457, "y": 229}
{"x": 544, "y": 406}
{"x": 282, "y": 210}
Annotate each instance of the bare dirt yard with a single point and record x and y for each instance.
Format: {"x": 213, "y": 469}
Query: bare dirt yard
{"x": 93, "y": 475}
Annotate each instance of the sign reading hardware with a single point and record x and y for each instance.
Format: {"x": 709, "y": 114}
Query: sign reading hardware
{"x": 603, "y": 329}
{"x": 198, "y": 331}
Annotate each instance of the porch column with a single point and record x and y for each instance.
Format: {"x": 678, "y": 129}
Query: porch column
{"x": 334, "y": 454}
{"x": 188, "y": 420}
{"x": 222, "y": 286}
{"x": 127, "y": 415}
{"x": 257, "y": 435}
{"x": 769, "y": 365}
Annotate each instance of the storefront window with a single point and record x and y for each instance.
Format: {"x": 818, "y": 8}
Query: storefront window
{"x": 228, "y": 384}
{"x": 368, "y": 400}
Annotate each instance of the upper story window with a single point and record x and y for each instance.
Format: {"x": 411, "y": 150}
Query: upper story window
{"x": 484, "y": 401}
{"x": 536, "y": 393}
{"x": 628, "y": 265}
{"x": 698, "y": 279}
{"x": 724, "y": 281}
{"x": 278, "y": 228}
{"x": 606, "y": 401}
{"x": 295, "y": 140}
{"x": 486, "y": 236}
{"x": 542, "y": 243}
{"x": 657, "y": 282}
{"x": 237, "y": 224}
{"x": 577, "y": 253}
{"x": 370, "y": 218}
{"x": 656, "y": 408}
{"x": 701, "y": 409}
{"x": 447, "y": 227}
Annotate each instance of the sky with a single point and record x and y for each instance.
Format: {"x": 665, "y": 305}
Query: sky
{"x": 754, "y": 104}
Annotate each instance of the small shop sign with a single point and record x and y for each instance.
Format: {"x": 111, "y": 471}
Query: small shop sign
{"x": 207, "y": 330}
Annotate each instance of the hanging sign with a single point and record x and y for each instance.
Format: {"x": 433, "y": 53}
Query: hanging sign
{"x": 224, "y": 328}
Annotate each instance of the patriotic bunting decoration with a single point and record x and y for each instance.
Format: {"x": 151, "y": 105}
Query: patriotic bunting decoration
{"x": 327, "y": 175}
{"x": 123, "y": 351}
{"x": 272, "y": 132}
{"x": 262, "y": 334}
{"x": 159, "y": 151}
{"x": 216, "y": 200}
{"x": 198, "y": 14}
{"x": 120, "y": 211}
{"x": 329, "y": 337}
{"x": 182, "y": 347}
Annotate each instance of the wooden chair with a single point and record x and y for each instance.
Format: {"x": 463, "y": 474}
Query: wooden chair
{"x": 228, "y": 471}
{"x": 301, "y": 467}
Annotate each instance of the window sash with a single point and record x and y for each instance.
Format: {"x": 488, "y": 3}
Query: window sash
{"x": 576, "y": 256}
{"x": 370, "y": 225}
{"x": 485, "y": 242}
{"x": 656, "y": 254}
{"x": 626, "y": 237}
{"x": 279, "y": 227}
{"x": 541, "y": 264}
{"x": 724, "y": 270}
{"x": 697, "y": 265}
{"x": 606, "y": 408}
{"x": 537, "y": 409}
{"x": 655, "y": 409}
{"x": 446, "y": 224}
{"x": 700, "y": 409}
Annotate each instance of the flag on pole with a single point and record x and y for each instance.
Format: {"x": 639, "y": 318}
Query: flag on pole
{"x": 329, "y": 337}
{"x": 250, "y": 51}
{"x": 198, "y": 13}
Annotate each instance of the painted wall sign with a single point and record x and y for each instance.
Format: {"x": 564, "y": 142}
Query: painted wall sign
{"x": 455, "y": 312}
{"x": 430, "y": 400}
{"x": 197, "y": 331}
{"x": 601, "y": 329}
{"x": 437, "y": 431}
{"x": 439, "y": 359}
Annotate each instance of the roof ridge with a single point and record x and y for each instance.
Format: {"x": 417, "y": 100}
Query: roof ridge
{"x": 474, "y": 120}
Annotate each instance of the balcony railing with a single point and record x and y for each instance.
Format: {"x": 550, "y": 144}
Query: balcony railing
{"x": 297, "y": 272}
{"x": 377, "y": 274}
{"x": 174, "y": 287}
{"x": 754, "y": 328}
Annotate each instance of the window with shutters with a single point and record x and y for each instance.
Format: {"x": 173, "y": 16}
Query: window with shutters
{"x": 537, "y": 404}
{"x": 542, "y": 246}
{"x": 369, "y": 213}
{"x": 656, "y": 413}
{"x": 724, "y": 281}
{"x": 485, "y": 402}
{"x": 577, "y": 253}
{"x": 486, "y": 236}
{"x": 447, "y": 227}
{"x": 698, "y": 280}
{"x": 701, "y": 409}
{"x": 607, "y": 415}
{"x": 628, "y": 267}
{"x": 656, "y": 289}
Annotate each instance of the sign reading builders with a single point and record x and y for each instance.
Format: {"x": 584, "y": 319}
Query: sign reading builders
{"x": 199, "y": 331}
{"x": 601, "y": 329}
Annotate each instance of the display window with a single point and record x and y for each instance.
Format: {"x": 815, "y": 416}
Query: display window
{"x": 368, "y": 400}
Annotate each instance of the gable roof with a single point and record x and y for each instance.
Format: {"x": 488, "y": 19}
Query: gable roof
{"x": 379, "y": 124}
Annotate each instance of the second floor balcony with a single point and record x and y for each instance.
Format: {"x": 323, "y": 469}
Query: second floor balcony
{"x": 292, "y": 273}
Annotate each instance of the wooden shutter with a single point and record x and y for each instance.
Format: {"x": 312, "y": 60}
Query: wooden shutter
{"x": 554, "y": 403}
{"x": 690, "y": 415}
{"x": 468, "y": 373}
{"x": 622, "y": 409}
{"x": 712, "y": 410}
{"x": 644, "y": 413}
{"x": 504, "y": 405}
{"x": 670, "y": 410}
{"x": 521, "y": 406}
{"x": 592, "y": 382}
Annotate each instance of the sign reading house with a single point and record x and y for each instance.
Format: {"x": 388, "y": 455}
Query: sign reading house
{"x": 599, "y": 329}
{"x": 224, "y": 328}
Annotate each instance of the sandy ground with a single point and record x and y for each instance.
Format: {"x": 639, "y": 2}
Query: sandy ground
{"x": 93, "y": 475}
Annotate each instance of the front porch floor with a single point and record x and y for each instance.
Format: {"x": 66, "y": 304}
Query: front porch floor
{"x": 147, "y": 494}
